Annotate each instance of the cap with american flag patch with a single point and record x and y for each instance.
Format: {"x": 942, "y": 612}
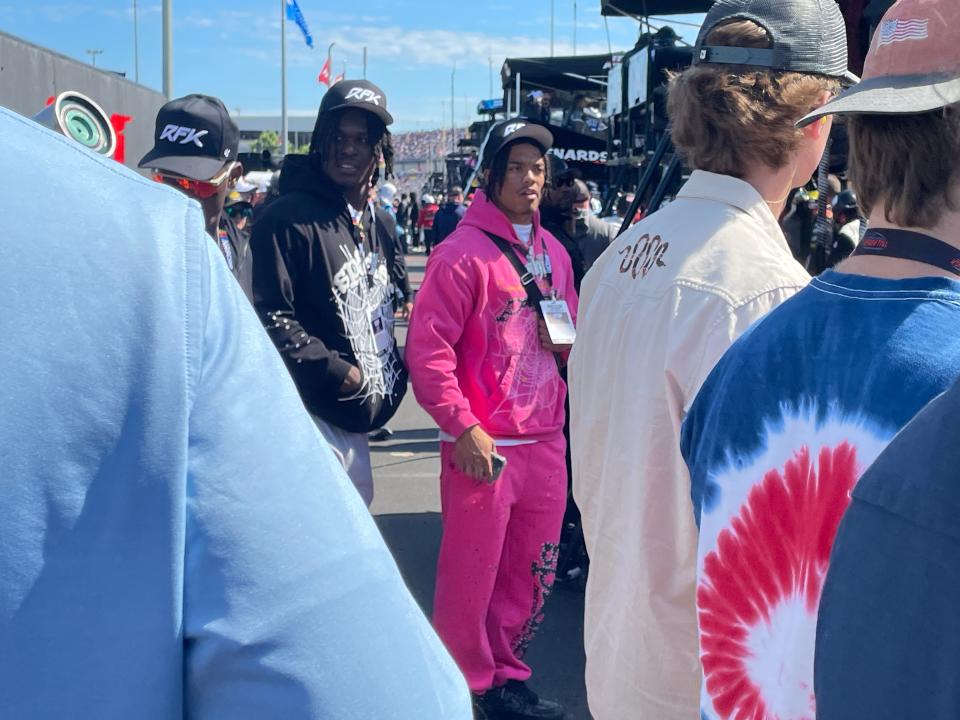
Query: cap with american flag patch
{"x": 913, "y": 65}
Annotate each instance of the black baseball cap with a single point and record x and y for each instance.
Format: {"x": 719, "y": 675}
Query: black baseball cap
{"x": 359, "y": 95}
{"x": 194, "y": 137}
{"x": 809, "y": 36}
{"x": 509, "y": 131}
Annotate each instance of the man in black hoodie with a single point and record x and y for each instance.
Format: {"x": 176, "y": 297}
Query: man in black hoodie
{"x": 326, "y": 275}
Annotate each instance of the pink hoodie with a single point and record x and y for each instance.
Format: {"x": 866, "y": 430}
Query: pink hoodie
{"x": 473, "y": 349}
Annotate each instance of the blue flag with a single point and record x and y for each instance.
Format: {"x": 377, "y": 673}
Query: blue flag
{"x": 294, "y": 14}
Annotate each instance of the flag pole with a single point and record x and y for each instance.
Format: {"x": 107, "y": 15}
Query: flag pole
{"x": 551, "y": 26}
{"x": 136, "y": 45}
{"x": 574, "y": 27}
{"x": 168, "y": 49}
{"x": 283, "y": 77}
{"x": 453, "y": 122}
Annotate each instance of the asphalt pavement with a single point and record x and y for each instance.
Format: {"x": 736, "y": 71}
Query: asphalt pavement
{"x": 406, "y": 506}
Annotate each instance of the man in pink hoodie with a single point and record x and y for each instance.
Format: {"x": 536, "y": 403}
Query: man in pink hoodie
{"x": 485, "y": 366}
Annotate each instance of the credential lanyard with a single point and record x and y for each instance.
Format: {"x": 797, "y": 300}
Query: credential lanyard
{"x": 527, "y": 280}
{"x": 535, "y": 243}
{"x": 357, "y": 219}
{"x": 909, "y": 245}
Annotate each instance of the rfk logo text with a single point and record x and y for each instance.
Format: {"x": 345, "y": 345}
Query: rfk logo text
{"x": 362, "y": 95}
{"x": 183, "y": 135}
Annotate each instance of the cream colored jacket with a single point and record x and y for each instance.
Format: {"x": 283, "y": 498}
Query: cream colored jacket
{"x": 657, "y": 311}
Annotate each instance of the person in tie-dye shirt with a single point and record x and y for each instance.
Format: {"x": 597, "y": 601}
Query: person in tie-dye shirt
{"x": 804, "y": 402}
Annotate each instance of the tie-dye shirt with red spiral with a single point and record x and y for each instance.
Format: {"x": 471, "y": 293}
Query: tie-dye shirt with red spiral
{"x": 782, "y": 429}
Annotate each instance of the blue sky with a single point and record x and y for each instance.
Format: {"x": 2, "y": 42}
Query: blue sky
{"x": 232, "y": 49}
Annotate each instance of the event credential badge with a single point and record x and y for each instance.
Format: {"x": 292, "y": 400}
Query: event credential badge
{"x": 559, "y": 321}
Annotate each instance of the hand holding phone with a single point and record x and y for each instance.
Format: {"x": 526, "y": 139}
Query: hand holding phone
{"x": 499, "y": 462}
{"x": 472, "y": 453}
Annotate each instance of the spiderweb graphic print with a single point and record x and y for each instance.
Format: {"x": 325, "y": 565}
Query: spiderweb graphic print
{"x": 530, "y": 380}
{"x": 359, "y": 303}
{"x": 760, "y": 588}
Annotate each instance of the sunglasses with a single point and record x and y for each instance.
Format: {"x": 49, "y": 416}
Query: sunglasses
{"x": 200, "y": 189}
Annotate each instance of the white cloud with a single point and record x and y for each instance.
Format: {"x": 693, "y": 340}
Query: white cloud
{"x": 70, "y": 12}
{"x": 408, "y": 48}
{"x": 66, "y": 12}
{"x": 418, "y": 48}
{"x": 126, "y": 13}
{"x": 258, "y": 55}
{"x": 200, "y": 21}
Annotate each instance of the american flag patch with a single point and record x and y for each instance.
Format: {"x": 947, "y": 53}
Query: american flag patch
{"x": 892, "y": 31}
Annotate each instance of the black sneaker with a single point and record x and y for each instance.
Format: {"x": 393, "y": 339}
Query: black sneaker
{"x": 479, "y": 712}
{"x": 515, "y": 701}
{"x": 380, "y": 434}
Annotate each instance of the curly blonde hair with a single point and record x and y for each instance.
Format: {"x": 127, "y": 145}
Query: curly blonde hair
{"x": 726, "y": 117}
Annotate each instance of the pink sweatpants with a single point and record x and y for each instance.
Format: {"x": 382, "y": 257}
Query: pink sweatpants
{"x": 497, "y": 559}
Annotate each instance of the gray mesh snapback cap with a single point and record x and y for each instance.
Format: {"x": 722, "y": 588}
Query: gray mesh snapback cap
{"x": 808, "y": 36}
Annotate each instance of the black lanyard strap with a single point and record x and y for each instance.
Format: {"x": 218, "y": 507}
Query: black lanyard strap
{"x": 529, "y": 282}
{"x": 909, "y": 245}
{"x": 527, "y": 279}
{"x": 357, "y": 224}
{"x": 506, "y": 247}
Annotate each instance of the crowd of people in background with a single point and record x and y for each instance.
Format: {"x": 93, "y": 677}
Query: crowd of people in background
{"x": 757, "y": 463}
{"x": 424, "y": 145}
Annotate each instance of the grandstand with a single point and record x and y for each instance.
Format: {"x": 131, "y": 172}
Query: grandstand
{"x": 418, "y": 154}
{"x": 424, "y": 145}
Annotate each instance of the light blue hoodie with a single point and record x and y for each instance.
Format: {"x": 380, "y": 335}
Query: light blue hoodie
{"x": 175, "y": 538}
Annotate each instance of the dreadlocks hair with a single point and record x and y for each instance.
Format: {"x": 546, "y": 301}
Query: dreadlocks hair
{"x": 325, "y": 135}
{"x": 498, "y": 168}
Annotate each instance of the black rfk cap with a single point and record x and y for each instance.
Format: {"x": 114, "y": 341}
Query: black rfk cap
{"x": 809, "y": 36}
{"x": 509, "y": 131}
{"x": 194, "y": 137}
{"x": 359, "y": 95}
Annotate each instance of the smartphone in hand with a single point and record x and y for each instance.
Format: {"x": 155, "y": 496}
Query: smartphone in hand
{"x": 499, "y": 462}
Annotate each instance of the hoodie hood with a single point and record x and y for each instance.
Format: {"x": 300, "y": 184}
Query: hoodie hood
{"x": 302, "y": 173}
{"x": 485, "y": 216}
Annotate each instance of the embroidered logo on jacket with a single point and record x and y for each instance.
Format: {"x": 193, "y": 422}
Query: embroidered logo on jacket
{"x": 643, "y": 255}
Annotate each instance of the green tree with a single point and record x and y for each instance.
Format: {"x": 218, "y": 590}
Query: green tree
{"x": 268, "y": 140}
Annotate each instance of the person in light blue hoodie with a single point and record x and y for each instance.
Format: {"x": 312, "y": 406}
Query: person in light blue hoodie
{"x": 176, "y": 540}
